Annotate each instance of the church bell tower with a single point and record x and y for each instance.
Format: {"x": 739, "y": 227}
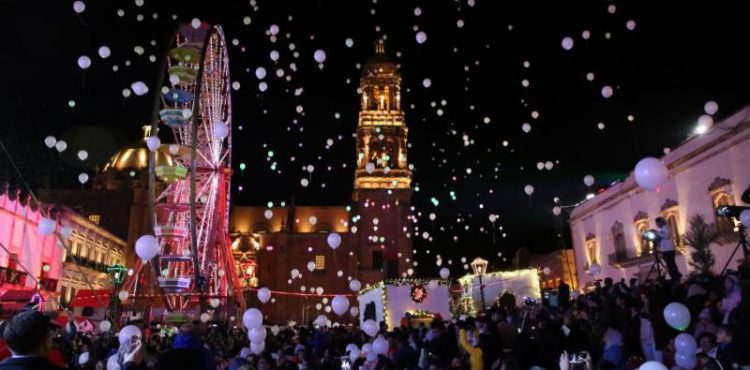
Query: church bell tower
{"x": 382, "y": 181}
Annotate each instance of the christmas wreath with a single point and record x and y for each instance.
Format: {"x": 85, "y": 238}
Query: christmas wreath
{"x": 418, "y": 293}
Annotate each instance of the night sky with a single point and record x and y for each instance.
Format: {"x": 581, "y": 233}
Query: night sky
{"x": 678, "y": 56}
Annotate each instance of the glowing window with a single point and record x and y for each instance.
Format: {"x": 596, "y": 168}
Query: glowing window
{"x": 95, "y": 218}
{"x": 320, "y": 262}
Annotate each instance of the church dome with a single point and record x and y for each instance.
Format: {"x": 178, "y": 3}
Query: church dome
{"x": 380, "y": 64}
{"x": 135, "y": 158}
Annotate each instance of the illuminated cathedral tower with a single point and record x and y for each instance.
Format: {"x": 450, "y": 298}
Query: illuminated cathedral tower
{"x": 382, "y": 181}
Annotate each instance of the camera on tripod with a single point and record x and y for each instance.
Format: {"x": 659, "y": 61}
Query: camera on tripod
{"x": 651, "y": 235}
{"x": 730, "y": 211}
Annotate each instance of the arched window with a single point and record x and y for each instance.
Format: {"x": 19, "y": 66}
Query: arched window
{"x": 592, "y": 251}
{"x": 669, "y": 211}
{"x": 643, "y": 246}
{"x": 618, "y": 236}
{"x": 720, "y": 191}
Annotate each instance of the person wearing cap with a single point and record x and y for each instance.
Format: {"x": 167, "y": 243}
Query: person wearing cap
{"x": 29, "y": 336}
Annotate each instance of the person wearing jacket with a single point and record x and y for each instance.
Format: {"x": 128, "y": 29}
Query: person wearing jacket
{"x": 187, "y": 352}
{"x": 29, "y": 336}
{"x": 475, "y": 353}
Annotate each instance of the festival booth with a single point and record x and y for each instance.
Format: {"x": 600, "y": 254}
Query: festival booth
{"x": 390, "y": 300}
{"x": 522, "y": 284}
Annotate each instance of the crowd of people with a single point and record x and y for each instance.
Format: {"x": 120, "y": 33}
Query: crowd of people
{"x": 614, "y": 326}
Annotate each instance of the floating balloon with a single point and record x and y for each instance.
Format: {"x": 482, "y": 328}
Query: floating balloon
{"x": 354, "y": 311}
{"x": 264, "y": 295}
{"x": 444, "y": 272}
{"x": 556, "y": 210}
{"x": 311, "y": 266}
{"x": 321, "y": 320}
{"x": 66, "y": 231}
{"x": 139, "y": 88}
{"x": 745, "y": 218}
{"x": 257, "y": 335}
{"x": 711, "y": 107}
{"x": 82, "y": 155}
{"x": 104, "y": 52}
{"x": 421, "y": 37}
{"x": 340, "y": 305}
{"x": 112, "y": 363}
{"x": 205, "y": 317}
{"x": 252, "y": 318}
{"x": 650, "y": 173}
{"x": 685, "y": 343}
{"x": 313, "y": 220}
{"x": 61, "y": 145}
{"x": 128, "y": 332}
{"x": 295, "y": 273}
{"x": 214, "y": 302}
{"x": 79, "y": 7}
{"x": 380, "y": 345}
{"x": 607, "y": 92}
{"x": 653, "y": 365}
{"x": 370, "y": 327}
{"x": 320, "y": 56}
{"x": 528, "y": 189}
{"x": 123, "y": 295}
{"x": 567, "y": 43}
{"x": 547, "y": 271}
{"x": 83, "y": 178}
{"x": 84, "y": 62}
{"x": 104, "y": 326}
{"x": 221, "y": 130}
{"x": 677, "y": 316}
{"x": 334, "y": 240}
{"x": 260, "y": 73}
{"x": 370, "y": 167}
{"x": 526, "y": 127}
{"x": 47, "y": 226}
{"x": 426, "y": 82}
{"x": 153, "y": 143}
{"x": 355, "y": 285}
{"x": 588, "y": 180}
{"x": 50, "y": 141}
{"x": 595, "y": 269}
{"x": 147, "y": 247}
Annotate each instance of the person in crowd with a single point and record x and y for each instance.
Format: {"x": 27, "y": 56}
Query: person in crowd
{"x": 704, "y": 324}
{"x": 666, "y": 247}
{"x": 471, "y": 346}
{"x": 732, "y": 298}
{"x": 187, "y": 351}
{"x": 613, "y": 356}
{"x": 729, "y": 353}
{"x": 707, "y": 344}
{"x": 29, "y": 336}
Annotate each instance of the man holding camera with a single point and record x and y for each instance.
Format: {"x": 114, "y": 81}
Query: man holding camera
{"x": 666, "y": 247}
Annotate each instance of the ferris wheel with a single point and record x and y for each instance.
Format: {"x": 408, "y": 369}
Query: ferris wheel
{"x": 192, "y": 204}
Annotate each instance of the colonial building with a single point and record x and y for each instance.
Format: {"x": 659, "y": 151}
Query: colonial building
{"x": 705, "y": 171}
{"x": 375, "y": 230}
{"x": 556, "y": 268}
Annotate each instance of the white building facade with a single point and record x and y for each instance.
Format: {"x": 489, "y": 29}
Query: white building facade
{"x": 705, "y": 171}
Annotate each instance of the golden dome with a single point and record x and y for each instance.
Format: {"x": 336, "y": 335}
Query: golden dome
{"x": 136, "y": 158}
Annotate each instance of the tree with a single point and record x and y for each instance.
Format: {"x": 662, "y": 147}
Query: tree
{"x": 700, "y": 235}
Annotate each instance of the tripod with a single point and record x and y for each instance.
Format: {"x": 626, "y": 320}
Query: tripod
{"x": 745, "y": 250}
{"x": 657, "y": 266}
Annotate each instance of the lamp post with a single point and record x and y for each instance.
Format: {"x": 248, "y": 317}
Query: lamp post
{"x": 480, "y": 267}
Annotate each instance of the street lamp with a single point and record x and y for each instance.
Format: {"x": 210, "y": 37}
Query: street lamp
{"x": 480, "y": 268}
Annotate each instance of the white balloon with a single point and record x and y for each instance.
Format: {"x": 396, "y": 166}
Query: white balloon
{"x": 685, "y": 360}
{"x": 319, "y": 290}
{"x": 47, "y": 226}
{"x": 677, "y": 316}
{"x": 685, "y": 343}
{"x": 50, "y": 141}
{"x": 370, "y": 327}
{"x": 84, "y": 62}
{"x": 526, "y": 127}
{"x": 556, "y": 210}
{"x": 123, "y": 295}
{"x": 139, "y": 88}
{"x": 340, "y": 305}
{"x": 268, "y": 214}
{"x": 262, "y": 86}
{"x": 147, "y": 247}
{"x": 112, "y": 363}
{"x": 320, "y": 56}
{"x": 421, "y": 37}
{"x": 311, "y": 266}
{"x": 257, "y": 335}
{"x": 312, "y": 220}
{"x": 355, "y": 285}
{"x": 334, "y": 240}
{"x": 83, "y": 178}
{"x": 195, "y": 23}
{"x": 257, "y": 348}
{"x": 567, "y": 43}
{"x": 260, "y": 73}
{"x": 126, "y": 93}
{"x": 380, "y": 345}
{"x": 370, "y": 167}
{"x": 445, "y": 273}
{"x": 354, "y": 311}
{"x": 264, "y": 295}
{"x": 275, "y": 330}
{"x": 252, "y": 318}
{"x": 128, "y": 332}
{"x": 588, "y": 180}
{"x": 547, "y": 270}
{"x": 214, "y": 302}
{"x": 607, "y": 92}
{"x": 205, "y": 317}
{"x": 349, "y": 42}
{"x": 79, "y": 7}
{"x": 528, "y": 189}
{"x": 153, "y": 143}
{"x": 61, "y": 145}
{"x": 711, "y": 107}
{"x": 745, "y": 218}
{"x": 426, "y": 82}
{"x": 650, "y": 173}
{"x": 104, "y": 52}
{"x": 295, "y": 273}
{"x": 653, "y": 365}
{"x": 82, "y": 155}
{"x": 66, "y": 231}
{"x": 274, "y": 55}
{"x": 104, "y": 326}
{"x": 321, "y": 320}
{"x": 221, "y": 130}
{"x": 595, "y": 269}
